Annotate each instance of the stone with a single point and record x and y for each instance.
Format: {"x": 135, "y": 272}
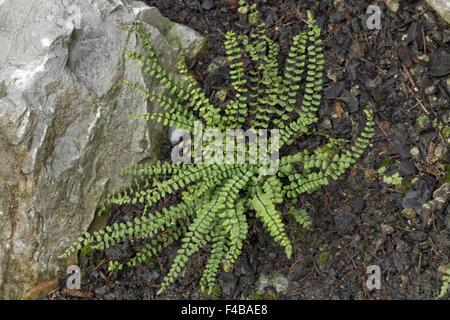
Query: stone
{"x": 439, "y": 201}
{"x": 326, "y": 124}
{"x": 430, "y": 90}
{"x": 228, "y": 282}
{"x": 64, "y": 128}
{"x": 415, "y": 153}
{"x": 406, "y": 168}
{"x": 207, "y": 4}
{"x": 447, "y": 222}
{"x": 417, "y": 236}
{"x": 342, "y": 127}
{"x": 358, "y": 204}
{"x": 415, "y": 199}
{"x": 335, "y": 90}
{"x": 442, "y": 7}
{"x": 439, "y": 64}
{"x": 350, "y": 100}
{"x": 387, "y": 229}
{"x": 276, "y": 280}
{"x": 409, "y": 213}
{"x": 280, "y": 283}
{"x": 344, "y": 221}
{"x": 393, "y": 5}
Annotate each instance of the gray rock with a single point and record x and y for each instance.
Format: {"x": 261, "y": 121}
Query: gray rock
{"x": 439, "y": 64}
{"x": 415, "y": 199}
{"x": 280, "y": 283}
{"x": 242, "y": 267}
{"x": 342, "y": 127}
{"x": 440, "y": 199}
{"x": 358, "y": 204}
{"x": 276, "y": 280}
{"x": 442, "y": 7}
{"x": 350, "y": 100}
{"x": 406, "y": 168}
{"x": 417, "y": 236}
{"x": 447, "y": 221}
{"x": 228, "y": 282}
{"x": 207, "y": 4}
{"x": 334, "y": 91}
{"x": 400, "y": 261}
{"x": 64, "y": 130}
{"x": 344, "y": 221}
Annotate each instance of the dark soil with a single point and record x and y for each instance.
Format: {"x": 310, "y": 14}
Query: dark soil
{"x": 401, "y": 72}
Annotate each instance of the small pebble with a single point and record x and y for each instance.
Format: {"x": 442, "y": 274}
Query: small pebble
{"x": 409, "y": 213}
{"x": 415, "y": 153}
{"x": 387, "y": 229}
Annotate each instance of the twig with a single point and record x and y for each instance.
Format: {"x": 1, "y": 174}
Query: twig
{"x": 419, "y": 101}
{"x": 432, "y": 246}
{"x": 382, "y": 129}
{"x": 292, "y": 266}
{"x": 325, "y": 205}
{"x": 424, "y": 42}
{"x": 99, "y": 265}
{"x": 367, "y": 61}
{"x": 419, "y": 266}
{"x": 307, "y": 276}
{"x": 348, "y": 255}
{"x": 410, "y": 78}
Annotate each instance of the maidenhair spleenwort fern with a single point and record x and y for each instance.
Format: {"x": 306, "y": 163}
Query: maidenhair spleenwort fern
{"x": 217, "y": 199}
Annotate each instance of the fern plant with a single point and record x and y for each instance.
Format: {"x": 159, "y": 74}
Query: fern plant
{"x": 218, "y": 199}
{"x": 445, "y": 284}
{"x": 437, "y": 125}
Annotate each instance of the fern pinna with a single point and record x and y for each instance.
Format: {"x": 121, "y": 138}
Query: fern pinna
{"x": 216, "y": 199}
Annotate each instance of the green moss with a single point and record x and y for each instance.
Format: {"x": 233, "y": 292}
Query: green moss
{"x": 447, "y": 174}
{"x": 255, "y": 296}
{"x": 324, "y": 257}
{"x": 406, "y": 187}
{"x": 298, "y": 232}
{"x": 386, "y": 162}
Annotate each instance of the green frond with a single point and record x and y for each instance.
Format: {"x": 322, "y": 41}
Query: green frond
{"x": 271, "y": 218}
